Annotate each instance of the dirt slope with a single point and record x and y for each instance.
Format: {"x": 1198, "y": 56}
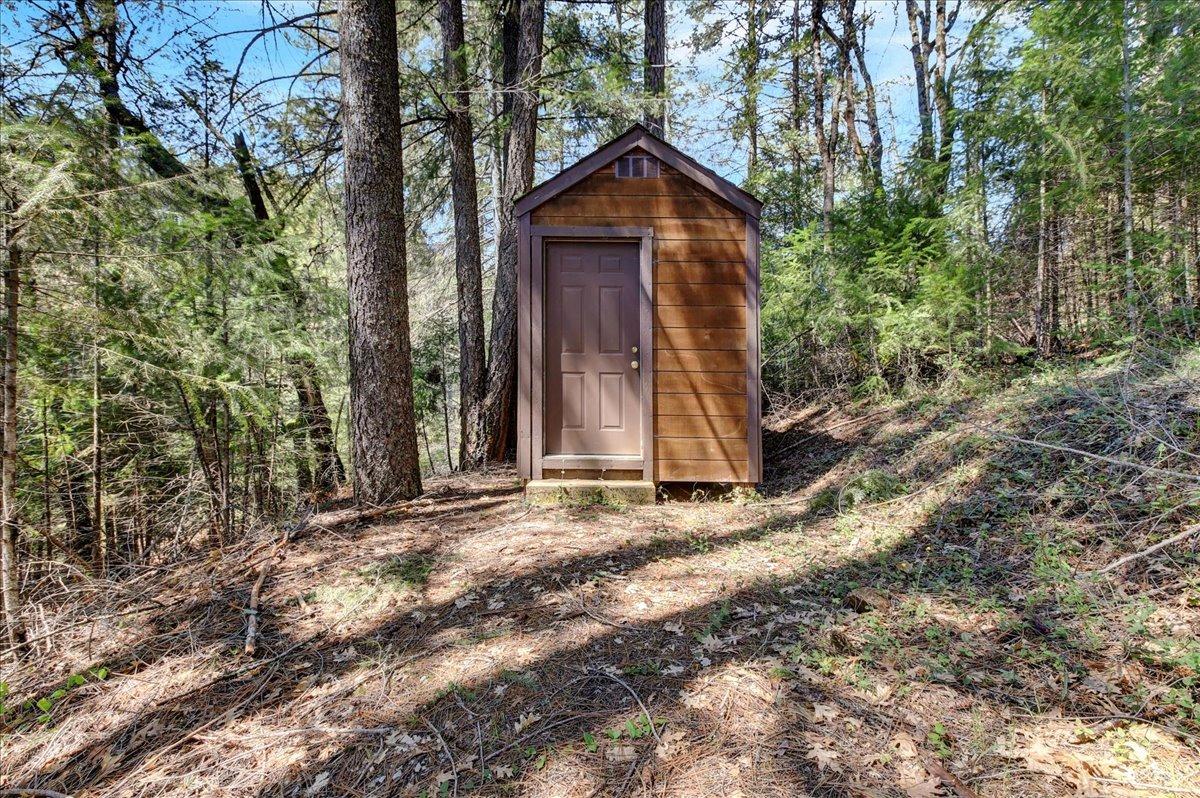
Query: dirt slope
{"x": 909, "y": 610}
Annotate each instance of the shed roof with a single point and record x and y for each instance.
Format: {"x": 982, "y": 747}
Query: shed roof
{"x": 639, "y": 136}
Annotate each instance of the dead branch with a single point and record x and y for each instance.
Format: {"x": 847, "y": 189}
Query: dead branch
{"x": 1185, "y": 533}
{"x": 333, "y": 519}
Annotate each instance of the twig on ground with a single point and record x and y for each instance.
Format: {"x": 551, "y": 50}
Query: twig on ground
{"x": 449, "y": 755}
{"x": 636, "y": 697}
{"x": 1183, "y": 534}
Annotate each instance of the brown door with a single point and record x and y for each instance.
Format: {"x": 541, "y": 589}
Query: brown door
{"x": 593, "y": 389}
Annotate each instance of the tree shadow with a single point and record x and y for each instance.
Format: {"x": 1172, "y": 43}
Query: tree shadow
{"x": 797, "y": 682}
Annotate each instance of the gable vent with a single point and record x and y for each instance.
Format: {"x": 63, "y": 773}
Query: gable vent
{"x": 637, "y": 166}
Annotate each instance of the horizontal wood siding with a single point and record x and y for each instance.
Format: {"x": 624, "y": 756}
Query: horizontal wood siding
{"x": 700, "y": 313}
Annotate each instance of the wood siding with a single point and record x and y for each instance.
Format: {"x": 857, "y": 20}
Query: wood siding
{"x": 701, "y": 319}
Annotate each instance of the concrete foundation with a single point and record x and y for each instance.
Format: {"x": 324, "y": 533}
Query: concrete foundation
{"x": 545, "y": 492}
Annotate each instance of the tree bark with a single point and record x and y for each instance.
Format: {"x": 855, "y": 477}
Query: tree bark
{"x": 329, "y": 470}
{"x": 467, "y": 260}
{"x": 918, "y": 28}
{"x": 9, "y": 530}
{"x": 382, "y": 417}
{"x": 522, "y": 82}
{"x": 654, "y": 77}
{"x": 751, "y": 81}
{"x": 825, "y": 138}
{"x": 1131, "y": 303}
{"x": 875, "y": 148}
{"x": 943, "y": 99}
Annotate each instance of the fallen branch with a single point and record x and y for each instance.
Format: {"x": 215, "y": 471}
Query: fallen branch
{"x": 1186, "y": 532}
{"x": 1149, "y": 469}
{"x": 252, "y": 610}
{"x": 335, "y": 518}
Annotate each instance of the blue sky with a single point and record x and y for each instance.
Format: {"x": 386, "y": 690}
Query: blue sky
{"x": 701, "y": 97}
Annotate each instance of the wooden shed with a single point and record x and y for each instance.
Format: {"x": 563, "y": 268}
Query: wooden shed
{"x": 638, "y": 321}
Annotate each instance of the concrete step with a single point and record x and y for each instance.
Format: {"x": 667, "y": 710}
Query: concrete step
{"x": 547, "y": 492}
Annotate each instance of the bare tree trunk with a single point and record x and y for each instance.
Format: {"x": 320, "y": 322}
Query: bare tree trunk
{"x": 825, "y": 138}
{"x": 1042, "y": 281}
{"x": 875, "y": 148}
{"x": 918, "y": 28}
{"x": 1131, "y": 303}
{"x": 386, "y": 465}
{"x": 9, "y": 530}
{"x": 942, "y": 97}
{"x": 467, "y": 260}
{"x": 523, "y": 30}
{"x": 654, "y": 78}
{"x": 446, "y": 408}
{"x": 794, "y": 88}
{"x": 99, "y": 552}
{"x": 751, "y": 83}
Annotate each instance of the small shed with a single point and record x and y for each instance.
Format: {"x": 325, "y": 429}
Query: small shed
{"x": 638, "y": 304}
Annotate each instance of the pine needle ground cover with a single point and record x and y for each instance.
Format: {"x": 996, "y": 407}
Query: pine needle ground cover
{"x": 921, "y": 602}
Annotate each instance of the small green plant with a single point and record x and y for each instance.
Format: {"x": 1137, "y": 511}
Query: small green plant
{"x": 718, "y": 619}
{"x": 872, "y": 485}
{"x": 410, "y": 571}
{"x": 589, "y": 742}
{"x": 939, "y": 740}
{"x": 699, "y": 543}
{"x": 634, "y": 729}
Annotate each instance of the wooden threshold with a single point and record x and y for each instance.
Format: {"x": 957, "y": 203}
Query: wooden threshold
{"x": 554, "y": 462}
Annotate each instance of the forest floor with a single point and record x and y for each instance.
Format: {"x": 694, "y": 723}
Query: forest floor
{"x": 910, "y": 608}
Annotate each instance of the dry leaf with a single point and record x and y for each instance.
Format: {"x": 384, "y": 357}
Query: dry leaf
{"x": 525, "y": 721}
{"x": 924, "y": 789}
{"x": 620, "y": 752}
{"x": 672, "y": 742}
{"x": 820, "y": 751}
{"x": 904, "y": 745}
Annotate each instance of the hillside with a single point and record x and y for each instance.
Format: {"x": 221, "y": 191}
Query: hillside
{"x": 919, "y": 604}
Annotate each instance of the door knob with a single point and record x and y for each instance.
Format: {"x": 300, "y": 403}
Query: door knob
{"x": 633, "y": 364}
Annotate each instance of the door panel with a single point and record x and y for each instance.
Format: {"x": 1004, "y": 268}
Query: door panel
{"x": 592, "y": 391}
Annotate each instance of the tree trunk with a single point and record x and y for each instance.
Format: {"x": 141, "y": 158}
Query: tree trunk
{"x": 330, "y": 471}
{"x": 99, "y": 552}
{"x": 825, "y": 138}
{"x": 467, "y": 261}
{"x": 751, "y": 84}
{"x": 654, "y": 77}
{"x": 794, "y": 88}
{"x": 9, "y": 586}
{"x": 942, "y": 96}
{"x": 918, "y": 28}
{"x": 1131, "y": 303}
{"x": 524, "y": 32}
{"x": 875, "y": 148}
{"x": 386, "y": 464}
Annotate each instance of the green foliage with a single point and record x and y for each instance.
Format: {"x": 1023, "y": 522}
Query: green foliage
{"x": 410, "y": 571}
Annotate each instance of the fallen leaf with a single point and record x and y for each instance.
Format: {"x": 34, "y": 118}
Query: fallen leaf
{"x": 525, "y": 721}
{"x": 621, "y": 752}
{"x": 923, "y": 789}
{"x": 820, "y": 752}
{"x": 672, "y": 742}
